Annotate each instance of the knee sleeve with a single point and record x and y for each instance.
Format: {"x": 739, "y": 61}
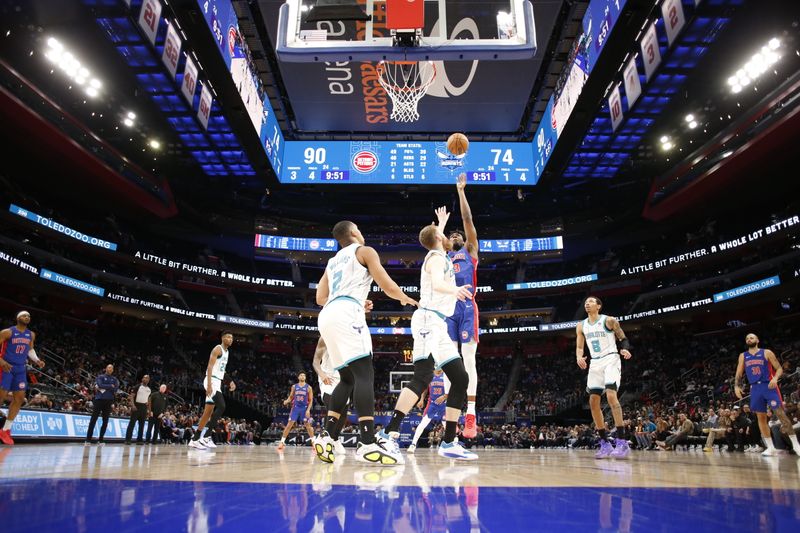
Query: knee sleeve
{"x": 364, "y": 386}
{"x": 468, "y": 353}
{"x": 342, "y": 391}
{"x": 459, "y": 379}
{"x": 423, "y": 374}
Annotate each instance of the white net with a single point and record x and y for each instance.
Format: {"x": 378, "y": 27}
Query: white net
{"x": 406, "y": 82}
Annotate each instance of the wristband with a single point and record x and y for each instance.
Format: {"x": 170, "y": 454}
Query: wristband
{"x": 32, "y": 356}
{"x": 625, "y": 344}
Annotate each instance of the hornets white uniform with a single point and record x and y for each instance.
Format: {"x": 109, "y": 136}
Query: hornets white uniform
{"x": 605, "y": 367}
{"x": 342, "y": 323}
{"x": 428, "y": 323}
{"x": 217, "y": 373}
{"x": 327, "y": 368}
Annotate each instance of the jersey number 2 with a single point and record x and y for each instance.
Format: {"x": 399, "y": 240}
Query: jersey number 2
{"x": 337, "y": 279}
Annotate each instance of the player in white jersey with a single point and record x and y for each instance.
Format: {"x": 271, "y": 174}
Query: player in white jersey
{"x": 342, "y": 292}
{"x": 601, "y": 334}
{"x": 215, "y": 402}
{"x": 432, "y": 345}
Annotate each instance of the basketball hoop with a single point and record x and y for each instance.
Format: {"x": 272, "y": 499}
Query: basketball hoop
{"x": 406, "y": 82}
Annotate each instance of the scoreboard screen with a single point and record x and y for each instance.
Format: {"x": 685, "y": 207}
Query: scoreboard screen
{"x": 304, "y": 244}
{"x": 386, "y": 162}
{"x": 534, "y": 244}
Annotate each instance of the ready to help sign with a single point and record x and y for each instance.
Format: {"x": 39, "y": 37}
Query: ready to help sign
{"x": 365, "y": 162}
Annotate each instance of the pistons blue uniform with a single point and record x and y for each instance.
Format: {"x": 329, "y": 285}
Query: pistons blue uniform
{"x": 299, "y": 404}
{"x": 15, "y": 352}
{"x": 760, "y": 372}
{"x": 463, "y": 325}
{"x": 435, "y": 391}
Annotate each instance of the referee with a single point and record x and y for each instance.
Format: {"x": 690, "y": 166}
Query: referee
{"x": 105, "y": 387}
{"x": 139, "y": 399}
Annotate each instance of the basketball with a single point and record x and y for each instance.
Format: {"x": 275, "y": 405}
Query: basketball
{"x": 457, "y": 143}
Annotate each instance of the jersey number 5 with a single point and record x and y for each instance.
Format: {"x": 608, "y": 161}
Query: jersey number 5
{"x": 596, "y": 346}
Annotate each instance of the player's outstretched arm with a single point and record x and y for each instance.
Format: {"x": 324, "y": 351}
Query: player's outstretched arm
{"x": 442, "y": 216}
{"x": 738, "y": 379}
{"x": 370, "y": 259}
{"x": 436, "y": 267}
{"x": 776, "y": 365}
{"x": 323, "y": 290}
{"x": 624, "y": 344}
{"x": 580, "y": 341}
{"x": 471, "y": 234}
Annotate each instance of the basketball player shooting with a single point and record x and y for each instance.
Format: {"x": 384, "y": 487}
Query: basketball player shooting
{"x": 16, "y": 347}
{"x": 763, "y": 372}
{"x": 215, "y": 402}
{"x": 462, "y": 326}
{"x": 433, "y": 349}
{"x": 602, "y": 333}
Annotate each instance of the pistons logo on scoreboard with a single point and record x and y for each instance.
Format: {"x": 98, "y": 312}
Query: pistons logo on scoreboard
{"x": 365, "y": 161}
{"x": 553, "y": 120}
{"x": 232, "y": 35}
{"x": 313, "y": 244}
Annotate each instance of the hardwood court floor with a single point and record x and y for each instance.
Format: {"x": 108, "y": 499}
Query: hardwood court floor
{"x": 69, "y": 487}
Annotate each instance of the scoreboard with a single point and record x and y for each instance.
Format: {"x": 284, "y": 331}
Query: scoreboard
{"x": 306, "y": 244}
{"x": 534, "y": 244}
{"x": 425, "y": 162}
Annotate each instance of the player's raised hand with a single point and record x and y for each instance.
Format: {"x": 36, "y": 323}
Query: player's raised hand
{"x": 442, "y": 216}
{"x": 463, "y": 293}
{"x": 581, "y": 362}
{"x": 461, "y": 182}
{"x": 625, "y": 353}
{"x": 368, "y": 305}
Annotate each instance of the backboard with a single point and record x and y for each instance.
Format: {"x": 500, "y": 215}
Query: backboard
{"x": 453, "y": 31}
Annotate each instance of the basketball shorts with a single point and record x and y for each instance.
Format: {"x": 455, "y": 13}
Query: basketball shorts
{"x": 298, "y": 414}
{"x": 435, "y": 412}
{"x": 216, "y": 386}
{"x": 344, "y": 328}
{"x": 15, "y": 379}
{"x": 762, "y": 397}
{"x": 328, "y": 389}
{"x": 431, "y": 339}
{"x": 463, "y": 325}
{"x": 604, "y": 373}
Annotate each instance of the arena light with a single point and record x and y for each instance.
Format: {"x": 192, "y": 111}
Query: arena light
{"x": 128, "y": 122}
{"x": 154, "y": 144}
{"x": 70, "y": 65}
{"x": 757, "y": 65}
{"x": 692, "y": 124}
{"x": 689, "y": 118}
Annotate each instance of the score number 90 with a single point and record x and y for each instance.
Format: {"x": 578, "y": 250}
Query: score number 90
{"x": 313, "y": 155}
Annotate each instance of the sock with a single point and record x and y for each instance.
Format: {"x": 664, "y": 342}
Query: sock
{"x": 621, "y": 432}
{"x": 394, "y": 423}
{"x": 341, "y": 421}
{"x": 795, "y": 444}
{"x": 420, "y": 429}
{"x": 768, "y": 442}
{"x": 331, "y": 427}
{"x": 449, "y": 431}
{"x": 198, "y": 434}
{"x": 8, "y": 424}
{"x": 603, "y": 434}
{"x": 367, "y": 428}
{"x": 283, "y": 440}
{"x": 470, "y": 407}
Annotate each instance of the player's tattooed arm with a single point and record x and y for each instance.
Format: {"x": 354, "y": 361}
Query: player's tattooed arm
{"x": 776, "y": 365}
{"x": 625, "y": 345}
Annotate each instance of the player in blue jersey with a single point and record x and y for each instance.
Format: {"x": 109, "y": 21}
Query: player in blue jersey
{"x": 463, "y": 324}
{"x": 435, "y": 407}
{"x": 763, "y": 372}
{"x": 16, "y": 347}
{"x": 301, "y": 396}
